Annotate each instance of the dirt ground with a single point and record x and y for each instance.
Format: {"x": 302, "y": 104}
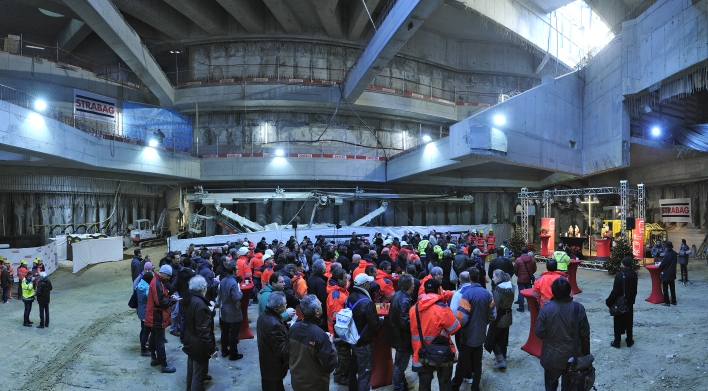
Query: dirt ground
{"x": 93, "y": 340}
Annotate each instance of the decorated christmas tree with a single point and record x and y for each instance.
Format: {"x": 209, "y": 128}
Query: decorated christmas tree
{"x": 516, "y": 241}
{"x": 621, "y": 249}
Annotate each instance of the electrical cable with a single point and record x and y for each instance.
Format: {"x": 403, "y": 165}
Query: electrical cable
{"x": 404, "y": 213}
{"x": 333, "y": 115}
{"x": 363, "y": 2}
{"x": 362, "y": 121}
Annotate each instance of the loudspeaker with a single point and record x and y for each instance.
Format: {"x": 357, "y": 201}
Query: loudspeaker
{"x": 629, "y": 223}
{"x": 295, "y": 224}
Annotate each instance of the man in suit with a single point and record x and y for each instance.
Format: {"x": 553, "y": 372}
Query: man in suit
{"x": 625, "y": 285}
{"x": 668, "y": 273}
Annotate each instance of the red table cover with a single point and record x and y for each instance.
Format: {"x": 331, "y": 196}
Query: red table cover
{"x": 572, "y": 271}
{"x": 533, "y": 344}
{"x": 244, "y": 331}
{"x": 382, "y": 360}
{"x": 656, "y": 296}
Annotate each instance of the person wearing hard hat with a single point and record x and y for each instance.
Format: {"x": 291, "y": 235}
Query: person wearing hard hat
{"x": 490, "y": 238}
{"x": 21, "y": 273}
{"x": 11, "y": 272}
{"x": 28, "y": 297}
{"x": 37, "y": 266}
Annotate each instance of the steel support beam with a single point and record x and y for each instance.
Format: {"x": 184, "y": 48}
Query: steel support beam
{"x": 159, "y": 15}
{"x": 205, "y": 14}
{"x": 248, "y": 13}
{"x": 330, "y": 15}
{"x": 285, "y": 16}
{"x": 103, "y": 18}
{"x": 404, "y": 19}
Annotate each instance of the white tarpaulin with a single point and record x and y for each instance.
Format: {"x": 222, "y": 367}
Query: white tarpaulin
{"x": 284, "y": 234}
{"x": 88, "y": 252}
{"x": 47, "y": 253}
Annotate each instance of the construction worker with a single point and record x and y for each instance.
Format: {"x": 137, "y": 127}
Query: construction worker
{"x": 21, "y": 273}
{"x": 490, "y": 238}
{"x": 542, "y": 286}
{"x": 479, "y": 240}
{"x": 561, "y": 258}
{"x": 507, "y": 251}
{"x": 11, "y": 271}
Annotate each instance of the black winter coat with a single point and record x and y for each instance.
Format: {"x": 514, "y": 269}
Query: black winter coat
{"x": 628, "y": 286}
{"x": 136, "y": 267}
{"x": 317, "y": 285}
{"x": 312, "y": 356}
{"x": 181, "y": 283}
{"x": 555, "y": 326}
{"x": 44, "y": 287}
{"x": 397, "y": 331}
{"x": 199, "y": 329}
{"x": 501, "y": 263}
{"x": 668, "y": 265}
{"x": 446, "y": 265}
{"x": 272, "y": 345}
{"x": 365, "y": 316}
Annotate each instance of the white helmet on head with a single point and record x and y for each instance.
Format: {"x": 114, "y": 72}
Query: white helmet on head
{"x": 474, "y": 231}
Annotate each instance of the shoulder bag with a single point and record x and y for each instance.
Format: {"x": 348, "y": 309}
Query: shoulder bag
{"x": 532, "y": 278}
{"x": 580, "y": 372}
{"x": 437, "y": 353}
{"x": 620, "y": 305}
{"x": 133, "y": 302}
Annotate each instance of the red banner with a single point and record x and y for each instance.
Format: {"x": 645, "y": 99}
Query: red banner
{"x": 638, "y": 239}
{"x": 550, "y": 224}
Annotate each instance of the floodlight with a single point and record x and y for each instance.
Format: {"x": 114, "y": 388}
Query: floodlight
{"x": 427, "y": 139}
{"x": 153, "y": 142}
{"x": 499, "y": 120}
{"x": 279, "y": 152}
{"x": 40, "y": 105}
{"x": 655, "y": 131}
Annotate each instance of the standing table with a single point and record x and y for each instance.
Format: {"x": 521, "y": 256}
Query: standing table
{"x": 394, "y": 280}
{"x": 533, "y": 344}
{"x": 572, "y": 271}
{"x": 602, "y": 246}
{"x": 244, "y": 331}
{"x": 381, "y": 360}
{"x": 656, "y": 297}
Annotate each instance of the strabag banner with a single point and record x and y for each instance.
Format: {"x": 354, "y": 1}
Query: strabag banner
{"x": 675, "y": 210}
{"x": 46, "y": 253}
{"x": 94, "y": 107}
{"x": 638, "y": 239}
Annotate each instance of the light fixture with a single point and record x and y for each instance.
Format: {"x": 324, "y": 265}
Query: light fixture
{"x": 551, "y": 200}
{"x": 279, "y": 152}
{"x": 153, "y": 142}
{"x": 427, "y": 139}
{"x": 594, "y": 198}
{"x": 655, "y": 131}
{"x": 569, "y": 200}
{"x": 577, "y": 199}
{"x": 499, "y": 120}
{"x": 40, "y": 105}
{"x": 34, "y": 47}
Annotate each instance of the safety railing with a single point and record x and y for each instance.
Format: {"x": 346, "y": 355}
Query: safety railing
{"x": 31, "y": 102}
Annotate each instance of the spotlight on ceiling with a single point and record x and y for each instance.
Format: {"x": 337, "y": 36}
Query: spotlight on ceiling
{"x": 647, "y": 109}
{"x": 427, "y": 139}
{"x": 655, "y": 131}
{"x": 577, "y": 200}
{"x": 569, "y": 200}
{"x": 594, "y": 198}
{"x": 40, "y": 105}
{"x": 279, "y": 152}
{"x": 499, "y": 120}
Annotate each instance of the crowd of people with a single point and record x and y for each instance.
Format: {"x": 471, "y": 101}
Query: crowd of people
{"x": 319, "y": 301}
{"x": 33, "y": 284}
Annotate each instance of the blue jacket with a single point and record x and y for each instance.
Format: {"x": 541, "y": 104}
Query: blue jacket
{"x": 230, "y": 300}
{"x": 142, "y": 288}
{"x": 475, "y": 312}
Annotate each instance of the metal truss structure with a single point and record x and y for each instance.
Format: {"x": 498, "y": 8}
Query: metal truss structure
{"x": 547, "y": 198}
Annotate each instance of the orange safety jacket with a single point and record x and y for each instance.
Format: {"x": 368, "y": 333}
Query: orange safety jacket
{"x": 360, "y": 268}
{"x": 490, "y": 239}
{"x": 542, "y": 286}
{"x": 386, "y": 292}
{"x": 436, "y": 319}
{"x": 299, "y": 286}
{"x": 244, "y": 268}
{"x": 265, "y": 276}
{"x": 257, "y": 264}
{"x": 336, "y": 297}
{"x": 445, "y": 296}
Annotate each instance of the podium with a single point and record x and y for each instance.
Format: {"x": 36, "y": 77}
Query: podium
{"x": 656, "y": 296}
{"x": 602, "y": 246}
{"x": 545, "y": 242}
{"x": 572, "y": 272}
{"x": 533, "y": 344}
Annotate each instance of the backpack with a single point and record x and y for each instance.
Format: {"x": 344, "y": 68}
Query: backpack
{"x": 345, "y": 326}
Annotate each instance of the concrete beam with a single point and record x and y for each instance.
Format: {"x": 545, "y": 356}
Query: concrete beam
{"x": 610, "y": 11}
{"x": 72, "y": 34}
{"x": 404, "y": 19}
{"x": 108, "y": 23}
{"x": 330, "y": 14}
{"x": 282, "y": 11}
{"x": 204, "y": 14}
{"x": 359, "y": 18}
{"x": 248, "y": 13}
{"x": 159, "y": 15}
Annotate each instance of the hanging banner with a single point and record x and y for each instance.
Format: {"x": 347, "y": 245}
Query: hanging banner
{"x": 46, "y": 253}
{"x": 549, "y": 224}
{"x": 638, "y": 239}
{"x": 675, "y": 210}
{"x": 90, "y": 108}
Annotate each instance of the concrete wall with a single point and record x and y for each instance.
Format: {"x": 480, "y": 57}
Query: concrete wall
{"x": 669, "y": 37}
{"x": 605, "y": 117}
{"x": 540, "y": 123}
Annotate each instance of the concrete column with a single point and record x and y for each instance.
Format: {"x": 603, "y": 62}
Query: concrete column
{"x": 466, "y": 213}
{"x": 326, "y": 215}
{"x": 417, "y": 213}
{"x": 492, "y": 207}
{"x": 262, "y": 213}
{"x": 389, "y": 216}
{"x": 453, "y": 213}
{"x": 343, "y": 212}
{"x": 479, "y": 206}
{"x": 276, "y": 212}
{"x": 402, "y": 213}
{"x": 358, "y": 211}
{"x": 439, "y": 213}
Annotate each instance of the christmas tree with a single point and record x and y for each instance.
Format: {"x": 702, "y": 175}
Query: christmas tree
{"x": 516, "y": 241}
{"x": 621, "y": 249}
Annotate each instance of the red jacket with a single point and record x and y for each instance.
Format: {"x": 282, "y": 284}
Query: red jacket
{"x": 244, "y": 268}
{"x": 265, "y": 277}
{"x": 299, "y": 286}
{"x": 361, "y": 267}
{"x": 386, "y": 292}
{"x": 257, "y": 264}
{"x": 435, "y": 319}
{"x": 159, "y": 305}
{"x": 542, "y": 286}
{"x": 445, "y": 296}
{"x": 336, "y": 297}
